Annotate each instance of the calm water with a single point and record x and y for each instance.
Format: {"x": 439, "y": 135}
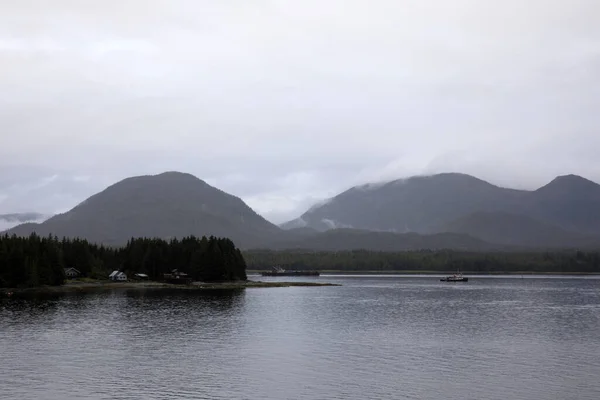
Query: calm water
{"x": 373, "y": 338}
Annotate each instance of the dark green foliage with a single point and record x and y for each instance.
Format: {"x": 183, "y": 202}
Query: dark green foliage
{"x": 429, "y": 261}
{"x": 355, "y": 239}
{"x": 31, "y": 261}
{"x": 204, "y": 259}
{"x": 35, "y": 261}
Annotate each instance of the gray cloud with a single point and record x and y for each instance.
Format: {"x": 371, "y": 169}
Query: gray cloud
{"x": 283, "y": 103}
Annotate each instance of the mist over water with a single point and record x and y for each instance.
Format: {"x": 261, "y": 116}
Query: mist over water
{"x": 372, "y": 338}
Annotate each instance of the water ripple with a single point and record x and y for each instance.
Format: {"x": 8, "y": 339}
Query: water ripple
{"x": 373, "y": 338}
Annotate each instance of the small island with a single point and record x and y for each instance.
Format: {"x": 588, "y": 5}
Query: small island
{"x": 48, "y": 264}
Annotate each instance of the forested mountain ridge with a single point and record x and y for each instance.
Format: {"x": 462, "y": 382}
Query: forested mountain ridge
{"x": 344, "y": 239}
{"x": 417, "y": 204}
{"x": 164, "y": 206}
{"x": 566, "y": 212}
{"x": 444, "y": 211}
{"x": 519, "y": 230}
{"x": 569, "y": 201}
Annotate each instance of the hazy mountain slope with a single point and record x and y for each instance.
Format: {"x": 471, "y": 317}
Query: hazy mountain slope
{"x": 563, "y": 213}
{"x": 418, "y": 204}
{"x": 517, "y": 230}
{"x": 8, "y": 221}
{"x": 352, "y": 239}
{"x": 168, "y": 205}
{"x": 22, "y": 217}
{"x": 570, "y": 201}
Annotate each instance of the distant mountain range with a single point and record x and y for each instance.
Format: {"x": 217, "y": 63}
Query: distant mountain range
{"x": 441, "y": 211}
{"x": 566, "y": 212}
{"x": 9, "y": 220}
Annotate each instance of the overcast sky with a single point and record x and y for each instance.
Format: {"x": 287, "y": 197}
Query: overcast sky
{"x": 286, "y": 102}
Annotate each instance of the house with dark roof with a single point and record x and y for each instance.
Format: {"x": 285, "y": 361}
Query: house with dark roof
{"x": 178, "y": 277}
{"x": 72, "y": 273}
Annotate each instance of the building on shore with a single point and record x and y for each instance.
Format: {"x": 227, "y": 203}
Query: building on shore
{"x": 72, "y": 273}
{"x": 177, "y": 277}
{"x": 118, "y": 276}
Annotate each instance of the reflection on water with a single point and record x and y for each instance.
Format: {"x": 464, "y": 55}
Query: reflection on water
{"x": 372, "y": 338}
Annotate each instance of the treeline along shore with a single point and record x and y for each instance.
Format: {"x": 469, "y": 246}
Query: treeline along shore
{"x": 36, "y": 261}
{"x": 41, "y": 261}
{"x": 428, "y": 261}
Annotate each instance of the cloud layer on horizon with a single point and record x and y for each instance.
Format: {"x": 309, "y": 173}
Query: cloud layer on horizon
{"x": 285, "y": 103}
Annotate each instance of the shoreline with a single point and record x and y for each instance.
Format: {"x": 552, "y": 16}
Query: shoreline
{"x": 80, "y": 287}
{"x": 413, "y": 272}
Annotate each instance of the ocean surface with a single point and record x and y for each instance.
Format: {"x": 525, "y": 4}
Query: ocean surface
{"x": 375, "y": 337}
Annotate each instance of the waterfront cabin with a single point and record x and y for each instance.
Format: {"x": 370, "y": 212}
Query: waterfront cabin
{"x": 141, "y": 277}
{"x": 72, "y": 273}
{"x": 177, "y": 277}
{"x": 117, "y": 276}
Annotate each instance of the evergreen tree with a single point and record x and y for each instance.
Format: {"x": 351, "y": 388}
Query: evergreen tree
{"x": 37, "y": 261}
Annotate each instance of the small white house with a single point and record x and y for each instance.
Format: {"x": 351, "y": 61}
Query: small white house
{"x": 117, "y": 276}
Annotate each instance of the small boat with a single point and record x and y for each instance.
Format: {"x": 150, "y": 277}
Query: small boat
{"x": 458, "y": 277}
{"x": 278, "y": 271}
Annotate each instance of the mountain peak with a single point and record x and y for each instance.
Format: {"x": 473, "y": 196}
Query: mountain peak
{"x": 414, "y": 204}
{"x": 169, "y": 180}
{"x": 570, "y": 183}
{"x": 571, "y": 178}
{"x": 174, "y": 174}
{"x": 444, "y": 177}
{"x": 170, "y": 204}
